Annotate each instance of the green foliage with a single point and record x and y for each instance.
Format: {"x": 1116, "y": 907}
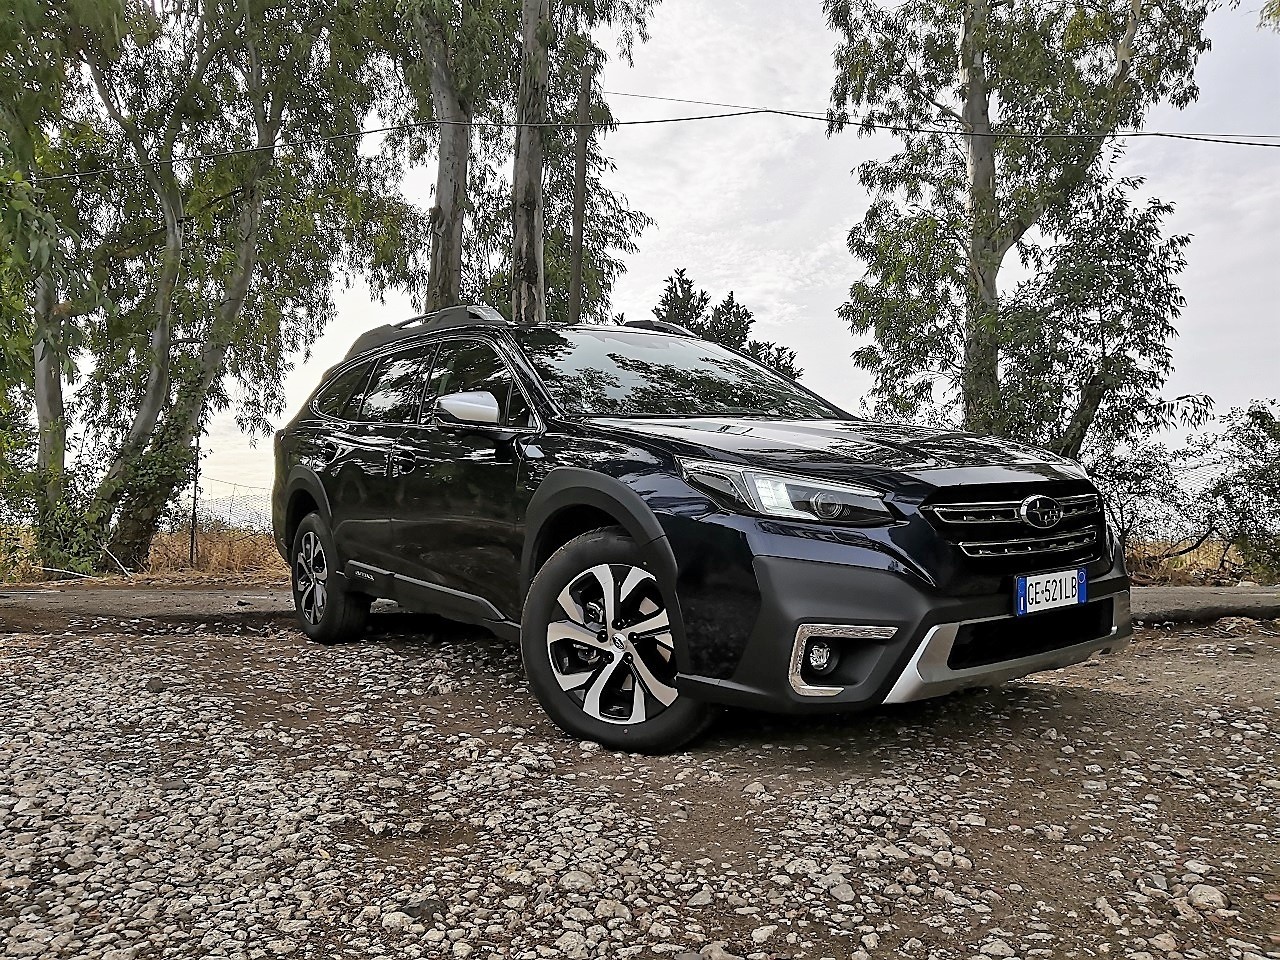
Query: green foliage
{"x": 681, "y": 302}
{"x": 728, "y": 324}
{"x": 1090, "y": 333}
{"x": 1246, "y": 497}
{"x": 1047, "y": 81}
{"x": 36, "y": 37}
{"x": 1222, "y": 488}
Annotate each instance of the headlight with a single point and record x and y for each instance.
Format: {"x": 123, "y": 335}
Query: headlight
{"x": 779, "y": 495}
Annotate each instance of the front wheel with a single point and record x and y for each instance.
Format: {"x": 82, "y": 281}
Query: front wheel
{"x": 598, "y": 649}
{"x": 327, "y": 612}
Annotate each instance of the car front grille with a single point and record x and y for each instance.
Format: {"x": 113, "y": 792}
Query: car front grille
{"x": 993, "y": 529}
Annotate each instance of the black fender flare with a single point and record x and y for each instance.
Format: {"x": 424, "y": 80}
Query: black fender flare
{"x": 300, "y": 480}
{"x": 565, "y": 488}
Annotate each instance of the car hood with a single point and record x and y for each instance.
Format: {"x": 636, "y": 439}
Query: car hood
{"x": 851, "y": 449}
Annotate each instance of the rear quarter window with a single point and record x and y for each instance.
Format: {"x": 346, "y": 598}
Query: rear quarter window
{"x": 335, "y": 398}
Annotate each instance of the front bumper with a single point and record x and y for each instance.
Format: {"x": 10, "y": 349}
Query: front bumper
{"x": 898, "y": 639}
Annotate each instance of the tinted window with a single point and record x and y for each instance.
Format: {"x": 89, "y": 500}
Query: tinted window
{"x": 334, "y": 398}
{"x": 615, "y": 373}
{"x": 464, "y": 366}
{"x": 396, "y": 387}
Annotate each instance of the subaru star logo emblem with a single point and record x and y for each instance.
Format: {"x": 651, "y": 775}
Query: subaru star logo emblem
{"x": 1043, "y": 513}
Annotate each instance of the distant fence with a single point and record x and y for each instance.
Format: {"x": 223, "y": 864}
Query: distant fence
{"x": 229, "y": 529}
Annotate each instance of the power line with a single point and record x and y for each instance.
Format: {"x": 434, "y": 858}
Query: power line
{"x": 1238, "y": 140}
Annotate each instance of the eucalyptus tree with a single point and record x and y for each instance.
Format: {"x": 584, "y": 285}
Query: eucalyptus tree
{"x": 36, "y": 333}
{"x": 229, "y": 270}
{"x": 528, "y": 257}
{"x": 544, "y": 34}
{"x": 612, "y": 225}
{"x": 471, "y": 53}
{"x": 1003, "y": 111}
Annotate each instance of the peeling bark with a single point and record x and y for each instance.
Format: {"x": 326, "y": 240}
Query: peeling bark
{"x": 980, "y": 387}
{"x": 51, "y": 423}
{"x": 448, "y": 214}
{"x": 528, "y": 265}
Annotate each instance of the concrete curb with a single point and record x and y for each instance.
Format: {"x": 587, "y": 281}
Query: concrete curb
{"x": 1204, "y": 604}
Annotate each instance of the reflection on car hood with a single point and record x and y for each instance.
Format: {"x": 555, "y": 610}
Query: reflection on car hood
{"x": 845, "y": 449}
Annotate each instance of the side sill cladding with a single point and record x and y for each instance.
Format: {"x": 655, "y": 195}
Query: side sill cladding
{"x": 568, "y": 487}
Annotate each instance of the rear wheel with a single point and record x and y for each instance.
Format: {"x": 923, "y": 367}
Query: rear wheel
{"x": 327, "y": 612}
{"x": 598, "y": 649}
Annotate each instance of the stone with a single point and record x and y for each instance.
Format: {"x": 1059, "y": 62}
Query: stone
{"x": 577, "y": 880}
{"x": 1203, "y": 896}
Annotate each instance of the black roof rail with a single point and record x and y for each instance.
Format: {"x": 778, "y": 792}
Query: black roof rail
{"x": 661, "y": 326}
{"x": 480, "y": 314}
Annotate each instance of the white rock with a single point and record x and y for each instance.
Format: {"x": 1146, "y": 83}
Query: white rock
{"x": 577, "y": 880}
{"x": 1205, "y": 897}
{"x": 760, "y": 934}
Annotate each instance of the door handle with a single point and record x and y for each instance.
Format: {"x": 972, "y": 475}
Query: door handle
{"x": 402, "y": 463}
{"x": 328, "y": 452}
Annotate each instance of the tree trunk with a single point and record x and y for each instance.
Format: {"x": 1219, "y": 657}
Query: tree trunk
{"x": 583, "y": 143}
{"x": 172, "y": 447}
{"x": 980, "y": 384}
{"x": 51, "y": 423}
{"x": 448, "y": 215}
{"x": 1094, "y": 391}
{"x": 123, "y": 472}
{"x": 528, "y": 267}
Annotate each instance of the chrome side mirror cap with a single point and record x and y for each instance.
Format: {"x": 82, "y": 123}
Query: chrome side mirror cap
{"x": 471, "y": 408}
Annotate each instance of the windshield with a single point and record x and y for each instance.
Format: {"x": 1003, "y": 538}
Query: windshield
{"x": 608, "y": 372}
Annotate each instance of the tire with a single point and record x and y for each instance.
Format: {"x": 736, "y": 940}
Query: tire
{"x": 327, "y": 612}
{"x": 613, "y": 686}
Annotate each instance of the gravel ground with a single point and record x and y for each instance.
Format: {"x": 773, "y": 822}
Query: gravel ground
{"x": 206, "y": 784}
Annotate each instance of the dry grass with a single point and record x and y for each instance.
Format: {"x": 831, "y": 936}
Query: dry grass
{"x": 227, "y": 552}
{"x": 18, "y": 561}
{"x": 220, "y": 550}
{"x": 1149, "y": 562}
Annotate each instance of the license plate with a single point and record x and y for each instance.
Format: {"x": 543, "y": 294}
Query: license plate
{"x": 1045, "y": 591}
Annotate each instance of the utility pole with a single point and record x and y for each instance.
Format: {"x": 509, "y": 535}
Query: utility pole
{"x": 580, "y": 187}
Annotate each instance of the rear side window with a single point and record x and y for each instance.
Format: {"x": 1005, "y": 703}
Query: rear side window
{"x": 462, "y": 367}
{"x": 341, "y": 395}
{"x": 396, "y": 388}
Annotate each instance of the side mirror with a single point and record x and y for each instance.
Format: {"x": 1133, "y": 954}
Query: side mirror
{"x": 473, "y": 408}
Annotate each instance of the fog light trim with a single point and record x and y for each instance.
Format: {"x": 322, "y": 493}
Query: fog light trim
{"x": 846, "y": 631}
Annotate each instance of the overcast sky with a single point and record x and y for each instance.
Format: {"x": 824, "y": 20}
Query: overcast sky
{"x": 762, "y": 205}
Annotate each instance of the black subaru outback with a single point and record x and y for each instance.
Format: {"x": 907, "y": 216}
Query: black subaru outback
{"x": 666, "y": 525}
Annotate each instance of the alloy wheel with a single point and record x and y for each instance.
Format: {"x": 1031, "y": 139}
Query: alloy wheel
{"x": 612, "y": 651}
{"x": 311, "y": 578}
